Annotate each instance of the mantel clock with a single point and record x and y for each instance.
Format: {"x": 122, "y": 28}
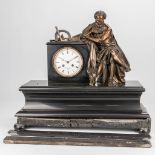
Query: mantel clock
{"x": 86, "y": 89}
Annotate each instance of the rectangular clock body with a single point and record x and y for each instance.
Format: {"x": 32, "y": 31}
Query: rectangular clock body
{"x": 53, "y": 48}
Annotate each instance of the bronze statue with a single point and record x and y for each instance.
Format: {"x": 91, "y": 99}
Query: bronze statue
{"x": 107, "y": 63}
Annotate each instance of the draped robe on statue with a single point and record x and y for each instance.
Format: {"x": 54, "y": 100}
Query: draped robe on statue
{"x": 106, "y": 61}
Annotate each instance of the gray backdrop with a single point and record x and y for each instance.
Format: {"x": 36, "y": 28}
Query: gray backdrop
{"x": 26, "y": 26}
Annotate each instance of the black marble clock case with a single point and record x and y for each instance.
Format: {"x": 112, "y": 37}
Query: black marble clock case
{"x": 52, "y": 47}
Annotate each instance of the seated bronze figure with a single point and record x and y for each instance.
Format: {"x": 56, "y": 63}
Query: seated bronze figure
{"x": 107, "y": 63}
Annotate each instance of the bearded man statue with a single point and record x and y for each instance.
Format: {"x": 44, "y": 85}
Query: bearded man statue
{"x": 107, "y": 63}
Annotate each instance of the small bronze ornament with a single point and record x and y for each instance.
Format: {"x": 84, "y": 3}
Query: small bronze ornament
{"x": 107, "y": 63}
{"x": 60, "y": 37}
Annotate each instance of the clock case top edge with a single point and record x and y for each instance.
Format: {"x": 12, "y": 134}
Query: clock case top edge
{"x": 53, "y": 42}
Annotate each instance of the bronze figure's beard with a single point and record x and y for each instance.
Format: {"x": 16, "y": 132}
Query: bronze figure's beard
{"x": 99, "y": 24}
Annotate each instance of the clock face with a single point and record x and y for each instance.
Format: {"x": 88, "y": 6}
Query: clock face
{"x": 67, "y": 62}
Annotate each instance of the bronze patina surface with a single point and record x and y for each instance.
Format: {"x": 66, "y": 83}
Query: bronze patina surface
{"x": 107, "y": 63}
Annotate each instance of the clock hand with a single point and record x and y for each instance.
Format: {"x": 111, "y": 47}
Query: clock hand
{"x": 73, "y": 58}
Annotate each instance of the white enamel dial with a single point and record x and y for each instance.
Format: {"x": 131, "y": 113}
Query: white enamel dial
{"x": 67, "y": 62}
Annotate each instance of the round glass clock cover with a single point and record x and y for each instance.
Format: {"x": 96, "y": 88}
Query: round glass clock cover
{"x": 67, "y": 62}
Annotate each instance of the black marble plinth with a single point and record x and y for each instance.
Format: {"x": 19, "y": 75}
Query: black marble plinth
{"x": 43, "y": 98}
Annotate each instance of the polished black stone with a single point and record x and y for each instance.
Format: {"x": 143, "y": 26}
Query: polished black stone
{"x": 129, "y": 86}
{"x": 47, "y": 99}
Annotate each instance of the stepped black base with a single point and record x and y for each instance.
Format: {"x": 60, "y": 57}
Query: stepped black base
{"x": 79, "y": 97}
{"x": 78, "y": 106}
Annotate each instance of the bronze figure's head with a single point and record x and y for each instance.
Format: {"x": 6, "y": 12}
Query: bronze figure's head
{"x": 100, "y": 16}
